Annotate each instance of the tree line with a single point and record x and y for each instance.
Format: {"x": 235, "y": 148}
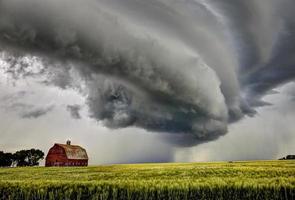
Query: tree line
{"x": 21, "y": 158}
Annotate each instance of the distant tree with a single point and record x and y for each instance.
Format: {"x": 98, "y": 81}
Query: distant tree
{"x": 28, "y": 157}
{"x": 5, "y": 159}
{"x": 34, "y": 156}
{"x": 20, "y": 158}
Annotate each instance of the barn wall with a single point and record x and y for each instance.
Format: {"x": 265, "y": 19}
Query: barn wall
{"x": 75, "y": 162}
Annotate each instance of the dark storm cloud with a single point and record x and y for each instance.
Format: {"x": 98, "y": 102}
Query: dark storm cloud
{"x": 186, "y": 67}
{"x": 279, "y": 70}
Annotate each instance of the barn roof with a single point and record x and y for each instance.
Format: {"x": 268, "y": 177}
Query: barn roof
{"x": 74, "y": 151}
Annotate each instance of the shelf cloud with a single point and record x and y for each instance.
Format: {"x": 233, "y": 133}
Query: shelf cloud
{"x": 185, "y": 68}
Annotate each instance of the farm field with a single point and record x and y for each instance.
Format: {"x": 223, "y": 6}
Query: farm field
{"x": 221, "y": 180}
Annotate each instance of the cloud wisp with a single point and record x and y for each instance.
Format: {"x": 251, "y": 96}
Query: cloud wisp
{"x": 74, "y": 111}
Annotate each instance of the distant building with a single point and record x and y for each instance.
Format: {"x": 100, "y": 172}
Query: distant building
{"x": 66, "y": 155}
{"x": 288, "y": 157}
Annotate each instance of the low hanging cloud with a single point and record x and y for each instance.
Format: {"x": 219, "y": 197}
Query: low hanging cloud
{"x": 187, "y": 68}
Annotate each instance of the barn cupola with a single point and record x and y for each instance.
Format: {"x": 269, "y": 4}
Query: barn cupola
{"x": 68, "y": 142}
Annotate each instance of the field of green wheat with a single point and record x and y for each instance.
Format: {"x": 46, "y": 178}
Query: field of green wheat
{"x": 223, "y": 180}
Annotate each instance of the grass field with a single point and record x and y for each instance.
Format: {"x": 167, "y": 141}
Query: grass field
{"x": 238, "y": 180}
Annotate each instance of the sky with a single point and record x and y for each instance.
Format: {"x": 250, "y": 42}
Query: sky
{"x": 149, "y": 81}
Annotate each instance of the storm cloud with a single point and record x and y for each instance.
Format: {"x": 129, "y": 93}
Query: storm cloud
{"x": 187, "y": 68}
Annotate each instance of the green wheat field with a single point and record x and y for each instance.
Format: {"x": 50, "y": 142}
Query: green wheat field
{"x": 221, "y": 180}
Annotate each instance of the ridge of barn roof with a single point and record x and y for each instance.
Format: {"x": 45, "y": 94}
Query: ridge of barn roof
{"x": 74, "y": 151}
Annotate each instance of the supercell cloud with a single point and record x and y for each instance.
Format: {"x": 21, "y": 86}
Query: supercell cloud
{"x": 183, "y": 67}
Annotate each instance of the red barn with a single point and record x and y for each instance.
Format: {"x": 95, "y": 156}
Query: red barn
{"x": 66, "y": 155}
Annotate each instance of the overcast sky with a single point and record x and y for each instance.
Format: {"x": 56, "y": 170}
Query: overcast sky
{"x": 149, "y": 81}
